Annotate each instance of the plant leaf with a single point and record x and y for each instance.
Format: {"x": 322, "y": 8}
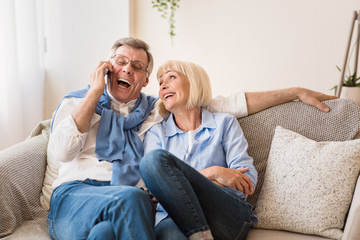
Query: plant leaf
{"x": 335, "y": 89}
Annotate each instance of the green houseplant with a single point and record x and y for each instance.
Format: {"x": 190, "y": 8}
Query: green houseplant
{"x": 351, "y": 80}
{"x": 167, "y": 9}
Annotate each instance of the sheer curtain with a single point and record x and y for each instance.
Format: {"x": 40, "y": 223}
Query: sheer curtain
{"x": 21, "y": 69}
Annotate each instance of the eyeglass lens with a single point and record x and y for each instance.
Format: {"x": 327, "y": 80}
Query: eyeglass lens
{"x": 123, "y": 61}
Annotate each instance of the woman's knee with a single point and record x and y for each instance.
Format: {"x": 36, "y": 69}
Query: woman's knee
{"x": 151, "y": 162}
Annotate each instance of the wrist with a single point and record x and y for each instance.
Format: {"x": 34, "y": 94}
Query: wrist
{"x": 94, "y": 94}
{"x": 295, "y": 93}
{"x": 209, "y": 172}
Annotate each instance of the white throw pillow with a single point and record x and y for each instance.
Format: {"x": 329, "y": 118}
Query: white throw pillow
{"x": 308, "y": 185}
{"x": 51, "y": 174}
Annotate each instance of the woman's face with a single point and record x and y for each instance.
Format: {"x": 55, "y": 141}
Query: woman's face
{"x": 174, "y": 91}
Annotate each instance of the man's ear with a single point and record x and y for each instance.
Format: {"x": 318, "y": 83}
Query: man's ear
{"x": 146, "y": 82}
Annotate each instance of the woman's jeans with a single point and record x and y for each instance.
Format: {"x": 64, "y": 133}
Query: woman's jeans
{"x": 192, "y": 201}
{"x": 95, "y": 210}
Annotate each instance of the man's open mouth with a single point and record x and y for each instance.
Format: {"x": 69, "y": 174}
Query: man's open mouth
{"x": 123, "y": 83}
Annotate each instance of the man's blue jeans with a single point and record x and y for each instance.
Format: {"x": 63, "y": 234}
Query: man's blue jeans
{"x": 192, "y": 201}
{"x": 95, "y": 210}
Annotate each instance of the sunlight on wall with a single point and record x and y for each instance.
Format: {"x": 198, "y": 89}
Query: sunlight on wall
{"x": 21, "y": 72}
{"x": 253, "y": 45}
{"x": 79, "y": 34}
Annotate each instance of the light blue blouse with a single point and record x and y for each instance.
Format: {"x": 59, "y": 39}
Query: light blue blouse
{"x": 219, "y": 141}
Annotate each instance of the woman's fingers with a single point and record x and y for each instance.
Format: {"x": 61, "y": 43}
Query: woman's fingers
{"x": 228, "y": 177}
{"x": 245, "y": 182}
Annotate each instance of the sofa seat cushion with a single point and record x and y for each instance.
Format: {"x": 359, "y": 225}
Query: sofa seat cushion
{"x": 32, "y": 229}
{"x": 262, "y": 234}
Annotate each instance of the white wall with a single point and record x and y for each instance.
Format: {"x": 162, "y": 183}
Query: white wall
{"x": 21, "y": 69}
{"x": 79, "y": 34}
{"x": 253, "y": 45}
{"x": 250, "y": 45}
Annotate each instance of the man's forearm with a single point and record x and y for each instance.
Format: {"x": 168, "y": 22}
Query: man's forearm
{"x": 85, "y": 111}
{"x": 258, "y": 101}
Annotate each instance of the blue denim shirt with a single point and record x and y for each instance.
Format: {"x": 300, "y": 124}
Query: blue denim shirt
{"x": 219, "y": 141}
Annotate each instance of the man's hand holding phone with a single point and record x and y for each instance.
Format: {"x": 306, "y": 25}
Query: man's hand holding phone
{"x": 85, "y": 111}
{"x": 97, "y": 78}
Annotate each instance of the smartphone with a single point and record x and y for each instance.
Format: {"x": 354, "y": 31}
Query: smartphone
{"x": 107, "y": 76}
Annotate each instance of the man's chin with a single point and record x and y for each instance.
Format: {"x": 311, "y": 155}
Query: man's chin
{"x": 120, "y": 95}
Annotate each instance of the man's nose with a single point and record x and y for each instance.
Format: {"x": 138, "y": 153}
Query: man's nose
{"x": 128, "y": 69}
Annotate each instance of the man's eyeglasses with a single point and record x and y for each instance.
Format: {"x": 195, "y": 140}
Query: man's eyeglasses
{"x": 123, "y": 61}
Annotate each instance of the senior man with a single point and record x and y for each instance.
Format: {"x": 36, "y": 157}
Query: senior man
{"x": 97, "y": 135}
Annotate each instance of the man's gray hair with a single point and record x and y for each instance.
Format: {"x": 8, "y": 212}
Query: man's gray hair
{"x": 137, "y": 44}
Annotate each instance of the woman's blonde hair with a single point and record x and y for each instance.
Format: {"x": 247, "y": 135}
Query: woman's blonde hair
{"x": 200, "y": 88}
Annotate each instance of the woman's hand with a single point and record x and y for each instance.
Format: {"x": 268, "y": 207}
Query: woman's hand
{"x": 228, "y": 177}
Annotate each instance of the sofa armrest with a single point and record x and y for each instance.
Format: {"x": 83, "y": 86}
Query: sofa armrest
{"x": 22, "y": 169}
{"x": 352, "y": 225}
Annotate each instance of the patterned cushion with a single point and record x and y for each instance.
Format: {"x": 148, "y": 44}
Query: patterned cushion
{"x": 308, "y": 185}
{"x": 22, "y": 168}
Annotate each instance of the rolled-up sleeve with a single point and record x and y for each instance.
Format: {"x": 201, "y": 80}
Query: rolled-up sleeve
{"x": 65, "y": 141}
{"x": 236, "y": 146}
{"x": 234, "y": 104}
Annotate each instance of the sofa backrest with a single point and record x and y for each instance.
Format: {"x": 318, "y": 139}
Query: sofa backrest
{"x": 22, "y": 169}
{"x": 340, "y": 124}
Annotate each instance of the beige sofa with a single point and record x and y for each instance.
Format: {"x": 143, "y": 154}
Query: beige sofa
{"x": 23, "y": 166}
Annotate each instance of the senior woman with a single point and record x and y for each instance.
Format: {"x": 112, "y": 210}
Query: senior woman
{"x": 196, "y": 163}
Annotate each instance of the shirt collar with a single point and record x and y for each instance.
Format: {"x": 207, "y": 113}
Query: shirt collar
{"x": 207, "y": 121}
{"x": 123, "y": 108}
